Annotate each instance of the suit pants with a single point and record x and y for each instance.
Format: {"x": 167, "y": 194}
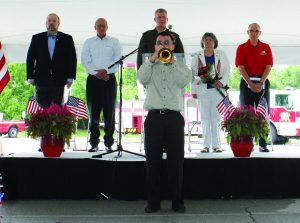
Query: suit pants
{"x": 45, "y": 95}
{"x": 101, "y": 96}
{"x": 248, "y": 97}
{"x": 164, "y": 130}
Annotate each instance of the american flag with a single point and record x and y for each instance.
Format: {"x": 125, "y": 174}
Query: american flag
{"x": 262, "y": 108}
{"x": 4, "y": 75}
{"x": 225, "y": 108}
{"x": 32, "y": 106}
{"x": 1, "y": 196}
{"x": 77, "y": 107}
{"x": 1, "y": 193}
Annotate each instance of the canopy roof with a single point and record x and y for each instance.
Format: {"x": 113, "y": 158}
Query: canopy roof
{"x": 127, "y": 20}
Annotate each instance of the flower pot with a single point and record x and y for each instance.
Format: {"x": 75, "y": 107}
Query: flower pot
{"x": 242, "y": 146}
{"x": 52, "y": 146}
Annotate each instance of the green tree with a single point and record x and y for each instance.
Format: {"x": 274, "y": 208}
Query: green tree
{"x": 14, "y": 97}
{"x": 234, "y": 80}
{"x": 129, "y": 84}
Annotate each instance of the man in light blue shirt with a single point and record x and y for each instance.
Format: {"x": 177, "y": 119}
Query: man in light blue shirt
{"x": 51, "y": 63}
{"x": 98, "y": 53}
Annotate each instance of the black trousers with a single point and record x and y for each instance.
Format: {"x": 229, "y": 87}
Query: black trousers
{"x": 164, "y": 130}
{"x": 44, "y": 95}
{"x": 101, "y": 96}
{"x": 248, "y": 97}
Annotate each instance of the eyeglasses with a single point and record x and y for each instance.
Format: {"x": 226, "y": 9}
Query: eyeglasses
{"x": 164, "y": 43}
{"x": 254, "y": 31}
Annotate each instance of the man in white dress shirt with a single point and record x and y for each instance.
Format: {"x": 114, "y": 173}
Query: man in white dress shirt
{"x": 98, "y": 53}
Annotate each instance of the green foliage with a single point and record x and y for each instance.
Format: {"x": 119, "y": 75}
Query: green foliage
{"x": 129, "y": 90}
{"x": 78, "y": 88}
{"x": 245, "y": 122}
{"x": 55, "y": 120}
{"x": 234, "y": 80}
{"x": 288, "y": 77}
{"x": 279, "y": 78}
{"x": 15, "y": 95}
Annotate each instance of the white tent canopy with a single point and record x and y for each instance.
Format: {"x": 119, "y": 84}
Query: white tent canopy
{"x": 127, "y": 20}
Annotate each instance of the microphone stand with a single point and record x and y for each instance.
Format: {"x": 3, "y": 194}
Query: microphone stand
{"x": 119, "y": 145}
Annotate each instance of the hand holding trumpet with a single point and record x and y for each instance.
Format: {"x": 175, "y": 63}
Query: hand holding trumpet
{"x": 165, "y": 55}
{"x": 163, "y": 51}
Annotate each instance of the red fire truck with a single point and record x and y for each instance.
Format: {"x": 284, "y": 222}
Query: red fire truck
{"x": 11, "y": 127}
{"x": 284, "y": 112}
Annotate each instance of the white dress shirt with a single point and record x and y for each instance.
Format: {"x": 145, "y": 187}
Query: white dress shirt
{"x": 100, "y": 53}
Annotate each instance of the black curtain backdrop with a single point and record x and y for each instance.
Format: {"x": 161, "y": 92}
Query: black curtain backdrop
{"x": 48, "y": 178}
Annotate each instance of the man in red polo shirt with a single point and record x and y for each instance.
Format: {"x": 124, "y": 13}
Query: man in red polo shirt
{"x": 254, "y": 60}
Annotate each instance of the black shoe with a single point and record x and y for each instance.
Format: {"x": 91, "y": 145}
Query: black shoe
{"x": 264, "y": 150}
{"x": 178, "y": 207}
{"x": 151, "y": 209}
{"x": 63, "y": 150}
{"x": 108, "y": 149}
{"x": 40, "y": 150}
{"x": 93, "y": 149}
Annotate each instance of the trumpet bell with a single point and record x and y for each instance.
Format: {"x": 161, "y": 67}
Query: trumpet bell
{"x": 165, "y": 55}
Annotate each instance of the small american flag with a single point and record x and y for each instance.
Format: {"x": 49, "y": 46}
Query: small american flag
{"x": 1, "y": 196}
{"x": 77, "y": 107}
{"x": 32, "y": 106}
{"x": 262, "y": 108}
{"x": 1, "y": 193}
{"x": 226, "y": 108}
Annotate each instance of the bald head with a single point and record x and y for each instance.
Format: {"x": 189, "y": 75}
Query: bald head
{"x": 254, "y": 26}
{"x": 101, "y": 27}
{"x": 254, "y": 33}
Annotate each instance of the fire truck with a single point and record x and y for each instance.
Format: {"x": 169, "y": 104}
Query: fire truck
{"x": 284, "y": 112}
{"x": 11, "y": 127}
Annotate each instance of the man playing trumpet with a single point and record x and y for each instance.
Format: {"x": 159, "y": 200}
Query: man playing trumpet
{"x": 164, "y": 125}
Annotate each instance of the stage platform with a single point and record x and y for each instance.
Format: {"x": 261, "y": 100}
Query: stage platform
{"x": 75, "y": 175}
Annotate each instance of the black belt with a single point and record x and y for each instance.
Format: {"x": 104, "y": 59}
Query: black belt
{"x": 110, "y": 74}
{"x": 163, "y": 111}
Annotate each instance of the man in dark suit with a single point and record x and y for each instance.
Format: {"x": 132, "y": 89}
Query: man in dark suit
{"x": 51, "y": 63}
{"x": 147, "y": 42}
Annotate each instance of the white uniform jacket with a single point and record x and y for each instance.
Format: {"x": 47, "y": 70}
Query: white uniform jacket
{"x": 197, "y": 87}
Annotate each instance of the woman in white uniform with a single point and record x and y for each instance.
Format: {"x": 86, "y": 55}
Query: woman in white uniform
{"x": 206, "y": 92}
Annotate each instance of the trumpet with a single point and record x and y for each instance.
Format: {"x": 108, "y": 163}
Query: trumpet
{"x": 165, "y": 55}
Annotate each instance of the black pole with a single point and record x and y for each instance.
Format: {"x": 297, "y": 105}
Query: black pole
{"x": 119, "y": 146}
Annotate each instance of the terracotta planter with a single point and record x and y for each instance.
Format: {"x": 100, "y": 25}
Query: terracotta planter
{"x": 52, "y": 146}
{"x": 242, "y": 146}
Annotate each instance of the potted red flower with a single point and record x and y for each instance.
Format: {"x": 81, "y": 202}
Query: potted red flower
{"x": 55, "y": 125}
{"x": 242, "y": 127}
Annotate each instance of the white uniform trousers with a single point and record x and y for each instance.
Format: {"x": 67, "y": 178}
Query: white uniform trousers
{"x": 210, "y": 117}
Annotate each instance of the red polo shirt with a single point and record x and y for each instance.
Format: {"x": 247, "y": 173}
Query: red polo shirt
{"x": 254, "y": 58}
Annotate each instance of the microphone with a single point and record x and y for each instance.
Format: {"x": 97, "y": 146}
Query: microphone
{"x": 170, "y": 27}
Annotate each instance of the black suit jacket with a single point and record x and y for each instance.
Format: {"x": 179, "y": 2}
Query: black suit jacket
{"x": 148, "y": 41}
{"x": 45, "y": 71}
